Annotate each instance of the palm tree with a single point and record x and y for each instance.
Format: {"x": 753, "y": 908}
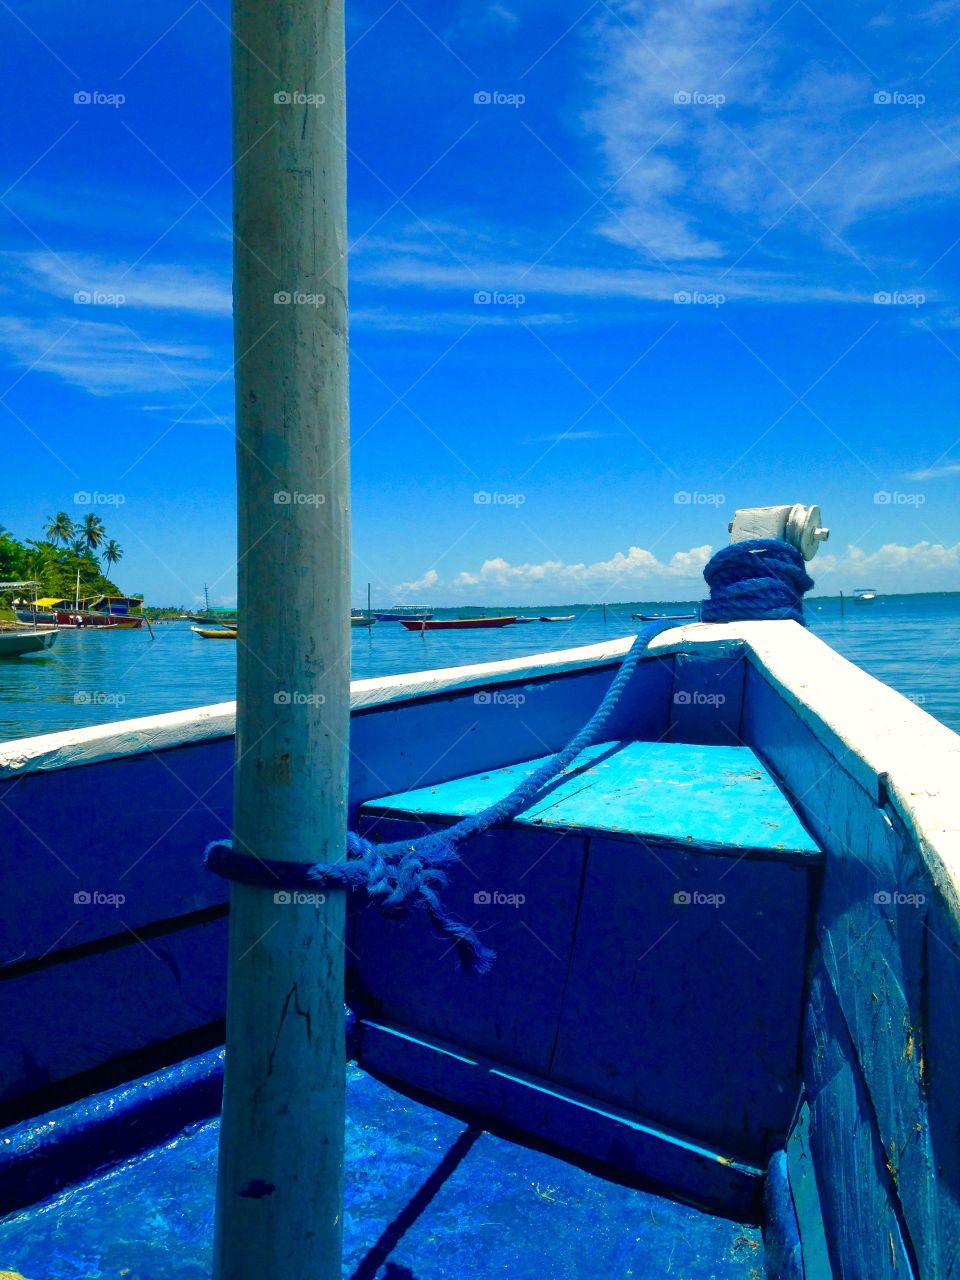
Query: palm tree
{"x": 93, "y": 531}
{"x": 79, "y": 548}
{"x": 112, "y": 553}
{"x": 59, "y": 528}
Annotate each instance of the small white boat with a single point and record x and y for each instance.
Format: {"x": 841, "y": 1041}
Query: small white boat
{"x": 15, "y": 643}
{"x": 558, "y": 617}
{"x": 864, "y": 595}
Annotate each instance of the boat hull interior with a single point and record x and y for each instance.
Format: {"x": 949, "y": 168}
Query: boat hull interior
{"x": 718, "y": 1038}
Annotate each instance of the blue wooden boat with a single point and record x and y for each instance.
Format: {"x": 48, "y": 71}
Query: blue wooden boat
{"x": 722, "y": 1025}
{"x": 720, "y": 1036}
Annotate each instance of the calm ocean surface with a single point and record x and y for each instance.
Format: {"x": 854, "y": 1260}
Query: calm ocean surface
{"x": 910, "y": 642}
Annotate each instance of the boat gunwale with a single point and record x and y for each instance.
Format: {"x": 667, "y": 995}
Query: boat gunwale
{"x": 900, "y": 754}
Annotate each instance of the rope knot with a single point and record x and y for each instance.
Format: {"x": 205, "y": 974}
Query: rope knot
{"x": 759, "y": 579}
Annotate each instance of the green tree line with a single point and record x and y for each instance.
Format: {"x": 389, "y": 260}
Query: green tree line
{"x": 67, "y": 547}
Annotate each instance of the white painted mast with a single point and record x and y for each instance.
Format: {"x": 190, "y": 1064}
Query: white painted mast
{"x": 279, "y": 1194}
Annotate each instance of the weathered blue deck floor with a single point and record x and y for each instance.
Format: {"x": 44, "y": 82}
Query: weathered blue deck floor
{"x": 427, "y": 1198}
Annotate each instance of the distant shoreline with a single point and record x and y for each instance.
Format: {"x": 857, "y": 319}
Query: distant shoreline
{"x": 612, "y": 604}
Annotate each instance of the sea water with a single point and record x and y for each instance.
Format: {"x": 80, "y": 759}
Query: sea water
{"x": 910, "y": 642}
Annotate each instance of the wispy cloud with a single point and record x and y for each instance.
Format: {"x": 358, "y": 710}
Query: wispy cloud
{"x": 105, "y": 358}
{"x": 720, "y": 139}
{"x": 646, "y": 284}
{"x": 147, "y": 286}
{"x": 499, "y": 13}
{"x": 935, "y": 473}
{"x": 560, "y": 437}
{"x": 406, "y": 319}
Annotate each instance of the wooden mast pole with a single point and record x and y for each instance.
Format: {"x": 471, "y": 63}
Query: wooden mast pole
{"x": 280, "y": 1185}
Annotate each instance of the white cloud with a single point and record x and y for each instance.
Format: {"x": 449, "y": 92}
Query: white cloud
{"x": 701, "y": 182}
{"x": 561, "y": 437}
{"x": 633, "y": 570}
{"x": 500, "y": 13}
{"x": 106, "y": 358}
{"x": 407, "y": 320}
{"x": 633, "y": 283}
{"x": 430, "y": 579}
{"x": 935, "y": 473}
{"x": 154, "y": 287}
{"x": 639, "y": 574}
{"x": 924, "y": 566}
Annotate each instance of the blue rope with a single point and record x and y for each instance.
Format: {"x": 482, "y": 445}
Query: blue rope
{"x": 758, "y": 579}
{"x": 762, "y": 578}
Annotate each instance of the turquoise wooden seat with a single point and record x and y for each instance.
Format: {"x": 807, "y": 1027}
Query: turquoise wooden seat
{"x": 649, "y": 913}
{"x": 670, "y": 793}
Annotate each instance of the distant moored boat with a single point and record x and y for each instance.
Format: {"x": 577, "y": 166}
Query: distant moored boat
{"x": 15, "y": 643}
{"x": 864, "y": 595}
{"x": 215, "y": 633}
{"x": 457, "y": 624}
{"x": 655, "y": 617}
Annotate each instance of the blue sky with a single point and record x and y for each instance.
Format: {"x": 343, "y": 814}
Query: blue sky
{"x": 677, "y": 258}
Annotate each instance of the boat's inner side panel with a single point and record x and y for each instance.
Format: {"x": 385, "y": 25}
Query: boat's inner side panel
{"x": 108, "y": 921}
{"x": 107, "y": 915}
{"x": 882, "y": 1027}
